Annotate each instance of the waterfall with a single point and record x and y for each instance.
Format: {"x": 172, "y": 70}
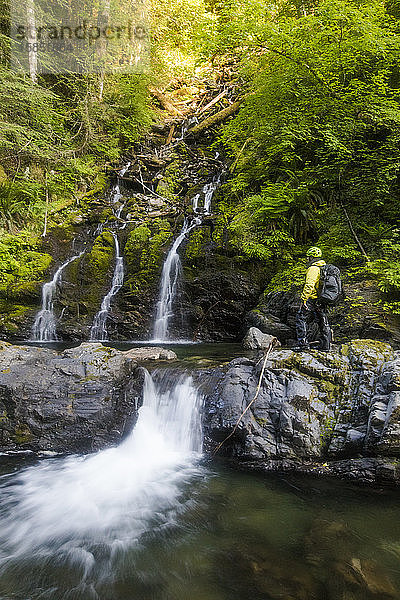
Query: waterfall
{"x": 169, "y": 283}
{"x": 98, "y": 330}
{"x": 187, "y": 123}
{"x": 116, "y": 194}
{"x": 208, "y": 191}
{"x": 172, "y": 267}
{"x": 195, "y": 203}
{"x": 115, "y": 197}
{"x": 44, "y": 327}
{"x": 84, "y": 514}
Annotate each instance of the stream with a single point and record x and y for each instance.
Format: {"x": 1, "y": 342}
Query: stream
{"x": 153, "y": 519}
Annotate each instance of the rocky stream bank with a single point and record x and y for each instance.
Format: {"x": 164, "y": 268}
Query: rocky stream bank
{"x": 333, "y": 413}
{"x": 79, "y": 400}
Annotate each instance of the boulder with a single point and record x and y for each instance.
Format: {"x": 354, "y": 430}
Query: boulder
{"x": 256, "y": 340}
{"x": 79, "y": 400}
{"x": 268, "y": 323}
{"x": 150, "y": 353}
{"x": 311, "y": 408}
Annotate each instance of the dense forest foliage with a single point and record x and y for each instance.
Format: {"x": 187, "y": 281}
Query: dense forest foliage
{"x": 318, "y": 137}
{"x": 313, "y": 152}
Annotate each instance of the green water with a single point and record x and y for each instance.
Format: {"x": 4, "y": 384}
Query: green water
{"x": 197, "y": 355}
{"x": 239, "y": 536}
{"x": 217, "y": 535}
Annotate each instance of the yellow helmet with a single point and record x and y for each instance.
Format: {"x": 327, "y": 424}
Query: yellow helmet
{"x": 314, "y": 252}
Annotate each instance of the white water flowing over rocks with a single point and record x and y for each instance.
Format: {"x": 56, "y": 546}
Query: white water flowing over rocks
{"x": 116, "y": 194}
{"x": 172, "y": 267}
{"x": 208, "y": 191}
{"x": 44, "y": 327}
{"x": 207, "y": 194}
{"x": 169, "y": 284}
{"x": 98, "y": 331}
{"x": 81, "y": 513}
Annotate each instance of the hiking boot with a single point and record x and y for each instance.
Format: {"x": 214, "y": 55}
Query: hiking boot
{"x": 301, "y": 348}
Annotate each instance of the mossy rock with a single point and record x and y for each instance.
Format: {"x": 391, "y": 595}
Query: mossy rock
{"x": 101, "y": 256}
{"x": 106, "y": 215}
{"x": 371, "y": 351}
{"x": 169, "y": 185}
{"x": 22, "y": 434}
{"x": 27, "y": 290}
{"x": 135, "y": 246}
{"x": 12, "y": 316}
{"x": 144, "y": 253}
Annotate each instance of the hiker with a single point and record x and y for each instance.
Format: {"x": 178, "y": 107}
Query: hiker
{"x": 311, "y": 306}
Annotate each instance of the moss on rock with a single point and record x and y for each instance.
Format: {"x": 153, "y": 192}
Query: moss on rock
{"x": 144, "y": 255}
{"x": 22, "y": 434}
{"x": 135, "y": 247}
{"x": 12, "y": 316}
{"x": 101, "y": 256}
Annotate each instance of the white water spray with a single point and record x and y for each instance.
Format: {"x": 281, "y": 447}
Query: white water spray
{"x": 81, "y": 513}
{"x": 208, "y": 191}
{"x": 172, "y": 267}
{"x": 44, "y": 327}
{"x": 115, "y": 199}
{"x": 169, "y": 283}
{"x": 98, "y": 330}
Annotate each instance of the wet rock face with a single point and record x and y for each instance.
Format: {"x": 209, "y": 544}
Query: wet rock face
{"x": 311, "y": 407}
{"x": 289, "y": 415}
{"x": 82, "y": 399}
{"x": 214, "y": 302}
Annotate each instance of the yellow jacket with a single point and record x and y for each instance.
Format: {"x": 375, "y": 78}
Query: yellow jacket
{"x": 311, "y": 285}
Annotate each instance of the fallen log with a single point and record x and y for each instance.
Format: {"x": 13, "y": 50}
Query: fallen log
{"x": 213, "y": 101}
{"x": 165, "y": 103}
{"x": 216, "y": 118}
{"x": 170, "y": 135}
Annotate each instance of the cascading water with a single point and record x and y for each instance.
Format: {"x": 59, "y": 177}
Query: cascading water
{"x": 208, "y": 191}
{"x": 44, "y": 327}
{"x": 185, "y": 127}
{"x": 116, "y": 194}
{"x": 69, "y": 526}
{"x": 169, "y": 283}
{"x": 115, "y": 197}
{"x": 98, "y": 330}
{"x": 172, "y": 266}
{"x": 195, "y": 203}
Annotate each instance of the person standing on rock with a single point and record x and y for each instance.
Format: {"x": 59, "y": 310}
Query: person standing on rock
{"x": 311, "y": 307}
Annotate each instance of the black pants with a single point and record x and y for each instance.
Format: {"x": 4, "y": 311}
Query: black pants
{"x": 314, "y": 311}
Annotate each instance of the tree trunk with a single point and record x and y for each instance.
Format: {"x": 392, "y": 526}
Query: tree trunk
{"x": 217, "y": 118}
{"x": 165, "y": 103}
{"x": 102, "y": 22}
{"x": 32, "y": 40}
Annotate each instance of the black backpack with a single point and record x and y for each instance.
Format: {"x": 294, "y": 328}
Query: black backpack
{"x": 330, "y": 287}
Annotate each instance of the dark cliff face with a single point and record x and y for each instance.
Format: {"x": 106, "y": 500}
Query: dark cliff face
{"x": 156, "y": 193}
{"x": 312, "y": 409}
{"x": 79, "y": 400}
